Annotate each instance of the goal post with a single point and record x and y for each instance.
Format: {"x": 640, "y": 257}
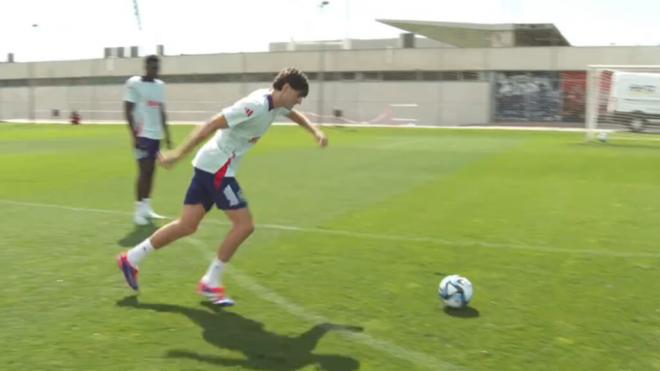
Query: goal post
{"x": 622, "y": 97}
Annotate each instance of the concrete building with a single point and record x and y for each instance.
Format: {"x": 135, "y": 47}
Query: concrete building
{"x": 426, "y": 82}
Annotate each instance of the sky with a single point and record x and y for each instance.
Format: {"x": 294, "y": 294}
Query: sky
{"x": 38, "y": 30}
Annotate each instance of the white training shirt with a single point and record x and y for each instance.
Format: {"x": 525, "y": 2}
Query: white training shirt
{"x": 248, "y": 120}
{"x": 148, "y": 97}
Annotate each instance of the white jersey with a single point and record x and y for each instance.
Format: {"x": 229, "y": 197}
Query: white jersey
{"x": 248, "y": 120}
{"x": 148, "y": 97}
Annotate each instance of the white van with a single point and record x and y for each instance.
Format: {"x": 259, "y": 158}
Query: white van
{"x": 634, "y": 99}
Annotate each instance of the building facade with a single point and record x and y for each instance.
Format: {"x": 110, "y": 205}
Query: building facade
{"x": 432, "y": 86}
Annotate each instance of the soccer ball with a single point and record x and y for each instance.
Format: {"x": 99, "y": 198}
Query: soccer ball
{"x": 602, "y": 136}
{"x": 455, "y": 291}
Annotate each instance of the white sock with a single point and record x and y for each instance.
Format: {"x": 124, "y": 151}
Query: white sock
{"x": 139, "y": 252}
{"x": 213, "y": 276}
{"x": 147, "y": 203}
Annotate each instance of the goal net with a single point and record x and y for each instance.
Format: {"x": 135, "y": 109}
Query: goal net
{"x": 622, "y": 98}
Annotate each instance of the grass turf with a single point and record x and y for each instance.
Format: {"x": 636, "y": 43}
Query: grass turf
{"x": 559, "y": 238}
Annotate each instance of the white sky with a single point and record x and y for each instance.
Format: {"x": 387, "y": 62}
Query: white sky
{"x": 76, "y": 29}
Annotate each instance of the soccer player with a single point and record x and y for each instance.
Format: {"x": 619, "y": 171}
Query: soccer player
{"x": 144, "y": 108}
{"x": 237, "y": 129}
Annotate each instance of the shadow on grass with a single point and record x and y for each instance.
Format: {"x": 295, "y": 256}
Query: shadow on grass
{"x": 137, "y": 235}
{"x": 262, "y": 349}
{"x": 467, "y": 312}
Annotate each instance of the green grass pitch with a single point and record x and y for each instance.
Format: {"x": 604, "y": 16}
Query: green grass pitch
{"x": 561, "y": 240}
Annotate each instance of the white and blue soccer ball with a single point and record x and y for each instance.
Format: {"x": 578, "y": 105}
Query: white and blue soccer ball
{"x": 455, "y": 291}
{"x": 602, "y": 136}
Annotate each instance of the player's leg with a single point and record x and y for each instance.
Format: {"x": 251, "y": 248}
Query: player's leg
{"x": 146, "y": 169}
{"x": 210, "y": 286}
{"x": 197, "y": 202}
{"x": 241, "y": 228}
{"x": 150, "y": 176}
{"x": 147, "y": 176}
{"x": 242, "y": 225}
{"x": 146, "y": 154}
{"x": 185, "y": 225}
{"x": 140, "y": 217}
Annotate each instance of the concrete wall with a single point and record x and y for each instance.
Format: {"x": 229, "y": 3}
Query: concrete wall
{"x": 450, "y": 102}
{"x": 14, "y": 103}
{"x": 442, "y": 103}
{"x": 444, "y": 59}
{"x": 438, "y": 102}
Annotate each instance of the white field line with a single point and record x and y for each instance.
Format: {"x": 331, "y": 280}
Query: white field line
{"x": 385, "y": 237}
{"x": 383, "y": 346}
{"x": 63, "y": 207}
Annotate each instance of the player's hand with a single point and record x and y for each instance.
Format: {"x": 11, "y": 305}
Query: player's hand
{"x": 168, "y": 143}
{"x": 321, "y": 139}
{"x": 168, "y": 159}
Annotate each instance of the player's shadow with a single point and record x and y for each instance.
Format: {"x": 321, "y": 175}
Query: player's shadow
{"x": 467, "y": 312}
{"x": 262, "y": 349}
{"x": 137, "y": 235}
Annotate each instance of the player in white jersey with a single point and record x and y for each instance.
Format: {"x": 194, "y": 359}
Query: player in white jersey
{"x": 237, "y": 129}
{"x": 144, "y": 108}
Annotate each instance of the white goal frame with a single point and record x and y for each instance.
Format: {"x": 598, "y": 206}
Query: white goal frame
{"x": 594, "y": 73}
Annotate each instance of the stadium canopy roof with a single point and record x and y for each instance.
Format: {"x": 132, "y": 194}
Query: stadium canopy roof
{"x": 480, "y": 35}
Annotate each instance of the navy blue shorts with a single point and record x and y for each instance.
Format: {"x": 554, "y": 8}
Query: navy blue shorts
{"x": 147, "y": 148}
{"x": 208, "y": 189}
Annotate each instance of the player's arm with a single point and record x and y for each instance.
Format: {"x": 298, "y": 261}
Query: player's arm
{"x": 131, "y": 96}
{"x": 201, "y": 133}
{"x": 301, "y": 120}
{"x": 128, "y": 113}
{"x": 166, "y": 128}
